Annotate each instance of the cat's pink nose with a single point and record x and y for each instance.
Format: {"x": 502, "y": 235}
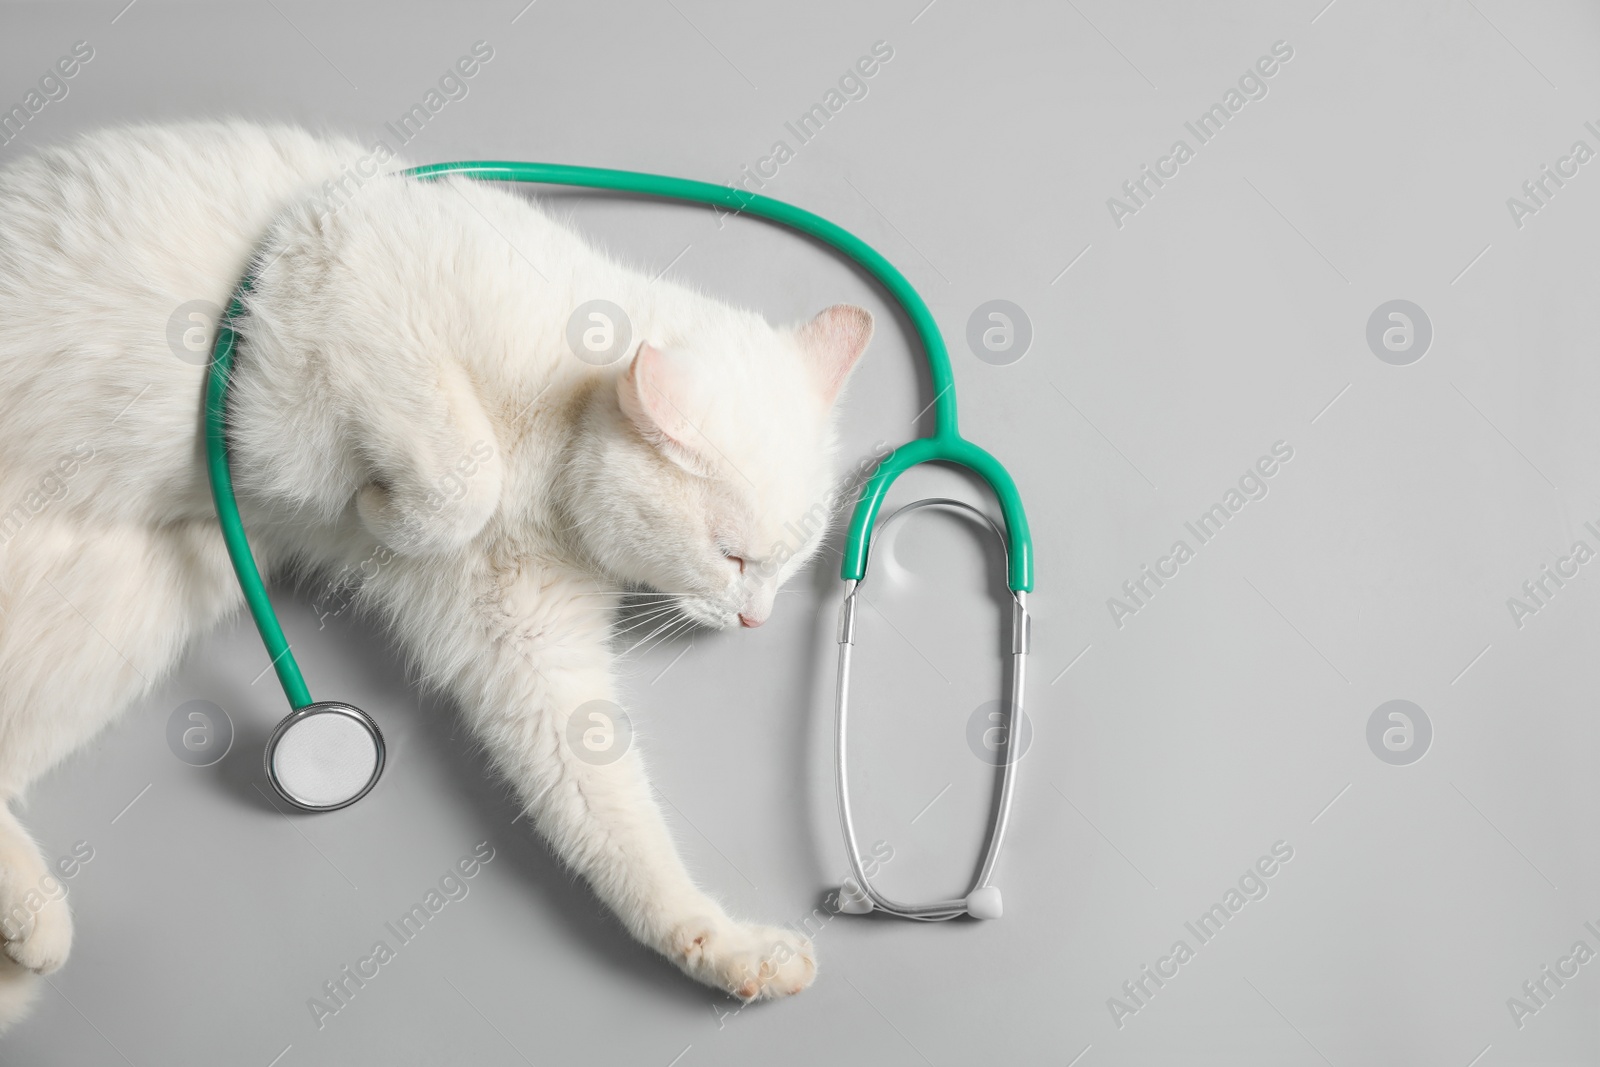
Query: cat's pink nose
{"x": 749, "y": 620}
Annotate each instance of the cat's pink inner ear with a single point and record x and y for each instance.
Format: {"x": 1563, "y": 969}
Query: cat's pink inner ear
{"x": 654, "y": 394}
{"x": 834, "y": 341}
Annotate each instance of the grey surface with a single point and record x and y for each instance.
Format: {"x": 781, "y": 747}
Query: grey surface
{"x": 1228, "y": 714}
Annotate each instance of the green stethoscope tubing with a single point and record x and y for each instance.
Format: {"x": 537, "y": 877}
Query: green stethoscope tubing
{"x": 945, "y": 445}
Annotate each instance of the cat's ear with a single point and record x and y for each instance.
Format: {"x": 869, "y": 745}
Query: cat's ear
{"x": 655, "y": 394}
{"x": 834, "y": 341}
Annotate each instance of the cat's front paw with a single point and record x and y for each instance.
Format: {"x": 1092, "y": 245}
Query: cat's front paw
{"x": 748, "y": 961}
{"x": 39, "y": 938}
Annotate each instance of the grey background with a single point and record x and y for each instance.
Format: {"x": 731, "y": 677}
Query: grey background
{"x": 1169, "y": 754}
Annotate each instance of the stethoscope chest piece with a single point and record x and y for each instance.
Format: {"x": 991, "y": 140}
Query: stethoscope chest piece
{"x": 325, "y": 756}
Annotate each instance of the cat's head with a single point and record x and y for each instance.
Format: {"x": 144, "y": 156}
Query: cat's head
{"x": 708, "y": 471}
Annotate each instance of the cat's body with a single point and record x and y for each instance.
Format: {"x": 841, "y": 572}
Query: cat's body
{"x": 404, "y": 391}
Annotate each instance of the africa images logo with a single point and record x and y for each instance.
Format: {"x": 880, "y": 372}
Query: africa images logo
{"x": 1252, "y": 886}
{"x": 1252, "y": 485}
{"x": 453, "y": 885}
{"x": 1252, "y": 85}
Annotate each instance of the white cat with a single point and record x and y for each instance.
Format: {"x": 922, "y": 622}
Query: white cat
{"x": 402, "y": 333}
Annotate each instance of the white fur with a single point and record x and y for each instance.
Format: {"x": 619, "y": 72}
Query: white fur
{"x": 404, "y": 387}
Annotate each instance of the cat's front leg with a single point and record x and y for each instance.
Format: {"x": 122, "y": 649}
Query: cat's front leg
{"x": 532, "y": 655}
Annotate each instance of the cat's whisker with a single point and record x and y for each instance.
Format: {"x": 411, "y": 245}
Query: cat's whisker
{"x": 628, "y": 599}
{"x": 614, "y": 592}
{"x": 680, "y": 627}
{"x": 633, "y": 611}
{"x": 629, "y": 651}
{"x": 652, "y": 616}
{"x": 630, "y": 610}
{"x": 665, "y": 626}
{"x": 644, "y": 610}
{"x": 655, "y": 616}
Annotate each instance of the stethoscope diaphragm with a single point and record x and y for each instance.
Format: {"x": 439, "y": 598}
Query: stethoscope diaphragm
{"x": 325, "y": 756}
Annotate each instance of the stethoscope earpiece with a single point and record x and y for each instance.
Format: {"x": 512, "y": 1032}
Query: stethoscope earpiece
{"x": 325, "y": 756}
{"x": 985, "y": 903}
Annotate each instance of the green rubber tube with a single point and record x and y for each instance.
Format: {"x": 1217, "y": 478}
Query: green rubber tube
{"x": 244, "y": 563}
{"x": 946, "y": 445}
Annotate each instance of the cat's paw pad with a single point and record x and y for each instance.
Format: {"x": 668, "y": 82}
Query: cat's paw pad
{"x": 42, "y": 939}
{"x": 748, "y": 961}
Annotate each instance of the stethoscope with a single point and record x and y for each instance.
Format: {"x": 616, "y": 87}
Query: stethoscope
{"x": 327, "y": 755}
